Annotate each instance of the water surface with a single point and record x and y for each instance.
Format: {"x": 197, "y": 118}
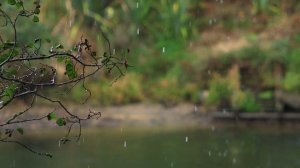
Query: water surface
{"x": 161, "y": 148}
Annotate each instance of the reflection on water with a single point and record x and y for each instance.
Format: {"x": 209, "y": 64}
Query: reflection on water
{"x": 155, "y": 148}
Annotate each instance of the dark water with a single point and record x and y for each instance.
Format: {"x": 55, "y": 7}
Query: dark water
{"x": 161, "y": 148}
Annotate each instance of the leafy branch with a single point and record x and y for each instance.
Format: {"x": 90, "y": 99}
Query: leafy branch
{"x": 26, "y": 70}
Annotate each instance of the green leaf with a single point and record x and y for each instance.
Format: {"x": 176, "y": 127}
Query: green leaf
{"x": 70, "y": 69}
{"x": 35, "y": 19}
{"x": 61, "y": 122}
{"x": 37, "y": 11}
{"x": 30, "y": 45}
{"x": 9, "y": 91}
{"x": 13, "y": 53}
{"x": 19, "y": 4}
{"x": 59, "y": 46}
{"x": 20, "y": 130}
{"x": 11, "y": 2}
{"x": 51, "y": 116}
{"x": 4, "y": 57}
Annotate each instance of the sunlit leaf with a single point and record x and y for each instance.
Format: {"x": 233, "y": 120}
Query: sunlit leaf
{"x": 51, "y": 116}
{"x": 10, "y": 90}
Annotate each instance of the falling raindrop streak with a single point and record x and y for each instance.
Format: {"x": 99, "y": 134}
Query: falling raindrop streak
{"x": 138, "y": 31}
{"x": 137, "y": 5}
{"x": 14, "y": 163}
{"x": 234, "y": 160}
{"x": 186, "y": 139}
{"x": 209, "y": 153}
{"x": 225, "y": 153}
{"x": 125, "y": 144}
{"x": 195, "y": 108}
{"x": 213, "y": 128}
{"x": 59, "y": 144}
{"x": 163, "y": 49}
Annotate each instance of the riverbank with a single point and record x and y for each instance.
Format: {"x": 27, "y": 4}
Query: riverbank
{"x": 144, "y": 115}
{"x": 152, "y": 115}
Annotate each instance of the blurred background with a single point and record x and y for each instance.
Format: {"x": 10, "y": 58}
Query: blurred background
{"x": 190, "y": 58}
{"x": 241, "y": 56}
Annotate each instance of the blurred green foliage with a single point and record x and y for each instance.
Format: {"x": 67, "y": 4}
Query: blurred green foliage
{"x": 173, "y": 46}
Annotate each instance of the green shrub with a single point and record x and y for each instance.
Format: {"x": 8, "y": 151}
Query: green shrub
{"x": 219, "y": 90}
{"x": 291, "y": 81}
{"x": 245, "y": 102}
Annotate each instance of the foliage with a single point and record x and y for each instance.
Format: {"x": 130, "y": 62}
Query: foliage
{"x": 219, "y": 91}
{"x": 245, "y": 101}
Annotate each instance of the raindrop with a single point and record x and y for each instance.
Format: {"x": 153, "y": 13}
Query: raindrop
{"x": 186, "y": 139}
{"x": 210, "y": 22}
{"x": 163, "y": 49}
{"x": 209, "y": 72}
{"x": 213, "y": 128}
{"x": 215, "y": 20}
{"x": 234, "y": 160}
{"x": 14, "y": 163}
{"x": 59, "y": 144}
{"x": 225, "y": 153}
{"x": 114, "y": 51}
{"x": 138, "y": 31}
{"x": 221, "y": 1}
{"x": 137, "y": 5}
{"x": 209, "y": 153}
{"x": 195, "y": 108}
{"x": 70, "y": 24}
{"x": 125, "y": 144}
{"x": 172, "y": 164}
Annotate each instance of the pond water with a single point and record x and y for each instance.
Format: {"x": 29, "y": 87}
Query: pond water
{"x": 161, "y": 148}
